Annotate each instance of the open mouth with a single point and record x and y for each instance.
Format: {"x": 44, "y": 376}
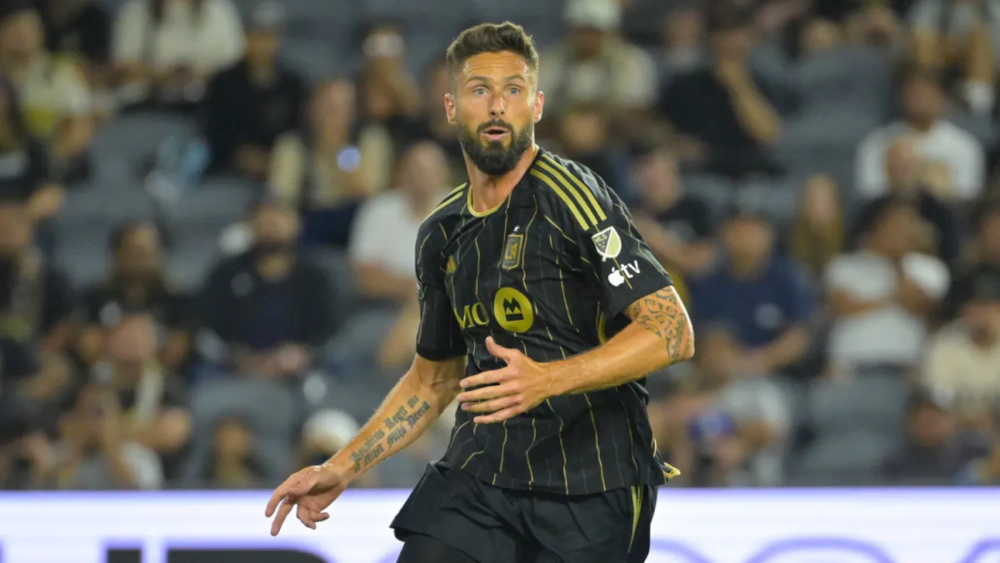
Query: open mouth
{"x": 495, "y": 133}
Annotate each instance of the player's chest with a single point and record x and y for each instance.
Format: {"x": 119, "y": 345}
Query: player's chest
{"x": 499, "y": 266}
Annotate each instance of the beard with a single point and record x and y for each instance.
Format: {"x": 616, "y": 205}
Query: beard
{"x": 492, "y": 157}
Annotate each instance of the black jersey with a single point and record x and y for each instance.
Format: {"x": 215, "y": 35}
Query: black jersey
{"x": 549, "y": 271}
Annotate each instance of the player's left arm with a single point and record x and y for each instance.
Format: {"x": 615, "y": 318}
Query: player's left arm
{"x": 631, "y": 282}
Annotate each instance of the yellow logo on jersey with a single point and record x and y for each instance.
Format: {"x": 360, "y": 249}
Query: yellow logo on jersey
{"x": 452, "y": 266}
{"x": 513, "y": 310}
{"x": 472, "y": 315}
{"x": 512, "y": 251}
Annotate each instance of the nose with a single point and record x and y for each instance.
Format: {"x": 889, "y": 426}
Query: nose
{"x": 497, "y": 109}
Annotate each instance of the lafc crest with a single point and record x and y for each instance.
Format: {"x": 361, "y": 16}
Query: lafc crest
{"x": 512, "y": 251}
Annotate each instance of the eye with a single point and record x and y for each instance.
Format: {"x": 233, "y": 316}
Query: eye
{"x": 479, "y": 91}
{"x": 514, "y": 90}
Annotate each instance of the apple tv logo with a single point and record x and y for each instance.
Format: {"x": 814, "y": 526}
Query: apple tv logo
{"x": 625, "y": 272}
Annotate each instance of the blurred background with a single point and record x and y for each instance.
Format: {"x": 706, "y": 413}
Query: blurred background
{"x": 208, "y": 210}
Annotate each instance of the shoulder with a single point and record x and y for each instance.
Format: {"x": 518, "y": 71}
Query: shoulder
{"x": 959, "y": 136}
{"x": 220, "y": 7}
{"x": 571, "y": 188}
{"x": 434, "y": 229}
{"x": 925, "y": 265}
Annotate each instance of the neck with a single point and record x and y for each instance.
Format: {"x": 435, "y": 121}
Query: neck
{"x": 262, "y": 72}
{"x": 420, "y": 205}
{"x": 922, "y": 124}
{"x": 274, "y": 266}
{"x": 490, "y": 191}
{"x": 748, "y": 267}
{"x": 984, "y": 338}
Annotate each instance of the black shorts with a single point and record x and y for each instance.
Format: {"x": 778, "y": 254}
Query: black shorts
{"x": 495, "y": 525}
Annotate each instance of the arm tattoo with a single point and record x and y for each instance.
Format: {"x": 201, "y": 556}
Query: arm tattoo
{"x": 393, "y": 430}
{"x": 663, "y": 314}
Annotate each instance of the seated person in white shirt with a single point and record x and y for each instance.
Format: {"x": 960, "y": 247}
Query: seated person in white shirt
{"x": 964, "y": 357}
{"x": 383, "y": 239}
{"x": 171, "y": 47}
{"x": 882, "y": 295}
{"x": 955, "y": 158}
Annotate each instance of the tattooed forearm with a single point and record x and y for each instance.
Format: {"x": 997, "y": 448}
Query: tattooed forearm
{"x": 663, "y": 314}
{"x": 394, "y": 429}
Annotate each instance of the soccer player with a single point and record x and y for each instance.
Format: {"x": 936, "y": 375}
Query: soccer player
{"x": 542, "y": 310}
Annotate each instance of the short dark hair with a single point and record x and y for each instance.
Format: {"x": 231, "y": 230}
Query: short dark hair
{"x": 491, "y": 38}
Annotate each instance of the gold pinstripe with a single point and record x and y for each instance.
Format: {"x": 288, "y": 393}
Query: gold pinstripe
{"x": 558, "y": 228}
{"x": 583, "y": 187}
{"x": 527, "y": 453}
{"x": 636, "y": 511}
{"x": 452, "y": 197}
{"x": 570, "y": 189}
{"x": 597, "y": 441}
{"x": 472, "y": 455}
{"x": 561, "y": 448}
{"x": 562, "y": 195}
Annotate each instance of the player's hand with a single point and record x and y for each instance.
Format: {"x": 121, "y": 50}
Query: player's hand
{"x": 309, "y": 491}
{"x": 510, "y": 391}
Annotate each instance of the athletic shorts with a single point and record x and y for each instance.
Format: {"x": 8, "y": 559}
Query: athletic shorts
{"x": 494, "y": 525}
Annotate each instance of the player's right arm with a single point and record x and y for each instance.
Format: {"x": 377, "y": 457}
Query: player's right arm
{"x": 414, "y": 404}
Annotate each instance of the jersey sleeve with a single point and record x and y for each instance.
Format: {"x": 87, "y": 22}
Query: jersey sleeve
{"x": 608, "y": 240}
{"x": 439, "y": 336}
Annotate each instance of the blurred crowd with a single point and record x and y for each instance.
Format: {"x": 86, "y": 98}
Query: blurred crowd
{"x": 208, "y": 211}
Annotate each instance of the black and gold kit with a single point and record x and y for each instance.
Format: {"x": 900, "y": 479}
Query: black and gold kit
{"x": 549, "y": 271}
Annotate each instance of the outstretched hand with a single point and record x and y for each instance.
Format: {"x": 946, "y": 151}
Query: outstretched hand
{"x": 309, "y": 491}
{"x": 509, "y": 391}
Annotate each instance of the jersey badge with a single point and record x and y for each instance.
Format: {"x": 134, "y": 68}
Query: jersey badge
{"x": 512, "y": 251}
{"x": 608, "y": 243}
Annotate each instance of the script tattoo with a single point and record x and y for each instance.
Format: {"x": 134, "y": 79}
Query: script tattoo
{"x": 663, "y": 314}
{"x": 394, "y": 429}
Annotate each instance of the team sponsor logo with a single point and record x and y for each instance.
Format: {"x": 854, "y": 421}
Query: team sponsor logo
{"x": 623, "y": 273}
{"x": 608, "y": 243}
{"x": 513, "y": 310}
{"x": 512, "y": 251}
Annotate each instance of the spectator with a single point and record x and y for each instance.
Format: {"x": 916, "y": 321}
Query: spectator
{"x": 984, "y": 470}
{"x": 817, "y": 235}
{"x": 597, "y": 66}
{"x": 78, "y": 28}
{"x": 53, "y": 91}
{"x": 234, "y": 464}
{"x": 934, "y": 451}
{"x": 26, "y": 176}
{"x": 903, "y": 171}
{"x": 962, "y": 359}
{"x": 684, "y": 35}
{"x": 762, "y": 296}
{"x": 25, "y": 450}
{"x": 882, "y": 295}
{"x": 677, "y": 225}
{"x": 964, "y": 37}
{"x": 584, "y": 136}
{"x": 727, "y": 115}
{"x": 389, "y": 102}
{"x": 753, "y": 408}
{"x": 35, "y": 307}
{"x": 385, "y": 231}
{"x": 953, "y": 158}
{"x": 93, "y": 451}
{"x": 435, "y": 121}
{"x": 982, "y": 254}
{"x": 166, "y": 50}
{"x": 248, "y": 107}
{"x": 266, "y": 311}
{"x": 328, "y": 174}
{"x": 151, "y": 399}
{"x": 137, "y": 284}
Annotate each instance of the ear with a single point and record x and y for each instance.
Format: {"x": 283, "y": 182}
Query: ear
{"x": 449, "y": 108}
{"x": 539, "y": 106}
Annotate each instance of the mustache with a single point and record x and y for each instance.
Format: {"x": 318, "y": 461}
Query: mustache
{"x": 495, "y": 123}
